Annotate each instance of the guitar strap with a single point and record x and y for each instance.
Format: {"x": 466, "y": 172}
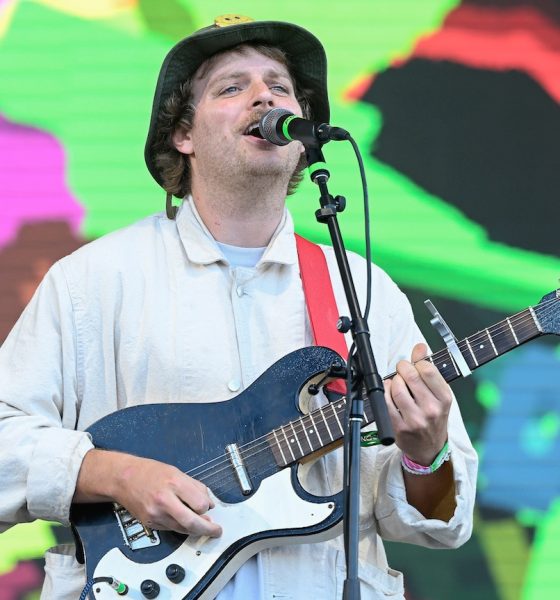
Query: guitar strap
{"x": 321, "y": 303}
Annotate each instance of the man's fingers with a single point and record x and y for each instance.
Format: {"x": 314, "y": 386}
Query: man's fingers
{"x": 193, "y": 523}
{"x": 423, "y": 380}
{"x": 174, "y": 515}
{"x": 419, "y": 352}
{"x": 172, "y": 500}
{"x": 394, "y": 411}
{"x": 202, "y": 489}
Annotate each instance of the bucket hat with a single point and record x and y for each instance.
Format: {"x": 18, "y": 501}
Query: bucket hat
{"x": 305, "y": 53}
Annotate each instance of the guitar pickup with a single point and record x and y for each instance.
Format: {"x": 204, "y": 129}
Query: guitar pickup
{"x": 135, "y": 534}
{"x": 239, "y": 469}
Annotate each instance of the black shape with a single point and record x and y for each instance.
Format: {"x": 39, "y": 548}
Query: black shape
{"x": 150, "y": 589}
{"x": 175, "y": 573}
{"x": 461, "y": 574}
{"x": 486, "y": 142}
{"x": 549, "y": 8}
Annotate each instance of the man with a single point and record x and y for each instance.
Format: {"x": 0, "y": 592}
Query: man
{"x": 195, "y": 306}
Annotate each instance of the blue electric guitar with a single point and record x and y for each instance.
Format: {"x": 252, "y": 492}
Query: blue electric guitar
{"x": 247, "y": 451}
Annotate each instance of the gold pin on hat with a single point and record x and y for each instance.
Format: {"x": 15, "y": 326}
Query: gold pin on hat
{"x": 225, "y": 20}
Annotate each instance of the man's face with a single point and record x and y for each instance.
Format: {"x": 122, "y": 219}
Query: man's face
{"x": 230, "y": 98}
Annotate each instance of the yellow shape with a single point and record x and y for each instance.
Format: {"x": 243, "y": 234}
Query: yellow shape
{"x": 91, "y": 9}
{"x": 24, "y": 542}
{"x": 543, "y": 574}
{"x": 6, "y": 14}
{"x": 231, "y": 19}
{"x": 507, "y": 553}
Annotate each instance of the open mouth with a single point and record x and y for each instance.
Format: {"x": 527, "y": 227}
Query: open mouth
{"x": 253, "y": 131}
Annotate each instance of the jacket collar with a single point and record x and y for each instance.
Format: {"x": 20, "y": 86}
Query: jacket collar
{"x": 201, "y": 248}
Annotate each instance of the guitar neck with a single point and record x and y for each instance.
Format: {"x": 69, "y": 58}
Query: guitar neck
{"x": 488, "y": 344}
{"x": 324, "y": 427}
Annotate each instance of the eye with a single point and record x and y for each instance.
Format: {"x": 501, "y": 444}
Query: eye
{"x": 280, "y": 88}
{"x": 230, "y": 89}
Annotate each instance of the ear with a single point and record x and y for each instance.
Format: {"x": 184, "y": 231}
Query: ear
{"x": 182, "y": 140}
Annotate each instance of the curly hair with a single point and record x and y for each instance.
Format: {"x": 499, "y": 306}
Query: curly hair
{"x": 178, "y": 111}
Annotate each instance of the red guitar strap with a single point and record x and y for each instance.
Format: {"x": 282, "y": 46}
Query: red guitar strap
{"x": 321, "y": 303}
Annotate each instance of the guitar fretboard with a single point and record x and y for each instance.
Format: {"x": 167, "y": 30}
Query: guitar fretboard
{"x": 487, "y": 344}
{"x": 325, "y": 426}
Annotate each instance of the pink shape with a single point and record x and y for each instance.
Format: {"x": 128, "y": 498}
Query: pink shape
{"x": 26, "y": 577}
{"x": 32, "y": 180}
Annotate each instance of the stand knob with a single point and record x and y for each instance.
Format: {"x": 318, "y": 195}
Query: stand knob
{"x": 344, "y": 324}
{"x": 149, "y": 589}
{"x": 175, "y": 573}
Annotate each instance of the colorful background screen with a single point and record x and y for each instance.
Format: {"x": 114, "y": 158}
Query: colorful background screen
{"x": 455, "y": 106}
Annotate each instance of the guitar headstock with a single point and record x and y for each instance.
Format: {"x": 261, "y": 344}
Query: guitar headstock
{"x": 547, "y": 312}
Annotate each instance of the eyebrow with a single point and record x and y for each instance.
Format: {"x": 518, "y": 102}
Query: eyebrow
{"x": 269, "y": 74}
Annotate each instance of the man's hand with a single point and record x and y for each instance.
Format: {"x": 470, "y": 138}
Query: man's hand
{"x": 159, "y": 495}
{"x": 419, "y": 400}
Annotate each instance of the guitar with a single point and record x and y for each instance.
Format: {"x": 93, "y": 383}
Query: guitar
{"x": 248, "y": 465}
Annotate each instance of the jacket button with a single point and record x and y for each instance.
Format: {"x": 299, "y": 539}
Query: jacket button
{"x": 234, "y": 385}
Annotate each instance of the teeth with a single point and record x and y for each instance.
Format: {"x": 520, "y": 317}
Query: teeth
{"x": 251, "y": 128}
{"x": 254, "y": 131}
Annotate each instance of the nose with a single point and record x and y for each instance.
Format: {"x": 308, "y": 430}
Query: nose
{"x": 261, "y": 95}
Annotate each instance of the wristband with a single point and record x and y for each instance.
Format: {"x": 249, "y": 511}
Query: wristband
{"x": 411, "y": 467}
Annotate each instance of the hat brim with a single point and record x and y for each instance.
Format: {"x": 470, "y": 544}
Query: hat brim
{"x": 304, "y": 51}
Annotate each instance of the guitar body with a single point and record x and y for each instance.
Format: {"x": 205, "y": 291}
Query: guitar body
{"x": 193, "y": 437}
{"x": 246, "y": 450}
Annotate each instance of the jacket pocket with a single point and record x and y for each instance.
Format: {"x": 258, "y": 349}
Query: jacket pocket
{"x": 65, "y": 578}
{"x": 376, "y": 583}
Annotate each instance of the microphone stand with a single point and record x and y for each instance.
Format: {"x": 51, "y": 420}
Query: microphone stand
{"x": 363, "y": 377}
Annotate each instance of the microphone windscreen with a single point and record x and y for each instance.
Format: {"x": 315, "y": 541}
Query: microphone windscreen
{"x": 268, "y": 126}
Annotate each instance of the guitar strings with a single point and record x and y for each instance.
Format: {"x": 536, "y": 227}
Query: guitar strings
{"x": 502, "y": 327}
{"x": 297, "y": 425}
{"x": 521, "y": 319}
{"x": 260, "y": 444}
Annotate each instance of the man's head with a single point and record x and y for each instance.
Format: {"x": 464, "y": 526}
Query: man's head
{"x": 191, "y": 65}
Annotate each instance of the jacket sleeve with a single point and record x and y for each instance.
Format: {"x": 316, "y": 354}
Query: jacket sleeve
{"x": 40, "y": 450}
{"x": 396, "y": 519}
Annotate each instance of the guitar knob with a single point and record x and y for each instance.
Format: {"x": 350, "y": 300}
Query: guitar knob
{"x": 149, "y": 589}
{"x": 175, "y": 573}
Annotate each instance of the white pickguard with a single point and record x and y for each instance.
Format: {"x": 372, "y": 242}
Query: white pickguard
{"x": 275, "y": 506}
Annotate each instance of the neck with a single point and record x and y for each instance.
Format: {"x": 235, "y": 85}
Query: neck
{"x": 240, "y": 215}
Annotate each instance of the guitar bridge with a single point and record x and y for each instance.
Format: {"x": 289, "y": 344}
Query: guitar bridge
{"x": 135, "y": 534}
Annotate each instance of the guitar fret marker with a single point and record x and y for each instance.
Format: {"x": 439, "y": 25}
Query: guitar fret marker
{"x": 287, "y": 443}
{"x": 454, "y": 365}
{"x": 316, "y": 429}
{"x": 279, "y": 446}
{"x": 304, "y": 429}
{"x": 538, "y": 325}
{"x": 491, "y": 341}
{"x": 340, "y": 406}
{"x": 512, "y": 331}
{"x": 471, "y": 351}
{"x": 327, "y": 425}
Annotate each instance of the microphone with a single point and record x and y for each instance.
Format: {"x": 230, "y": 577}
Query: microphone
{"x": 280, "y": 126}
